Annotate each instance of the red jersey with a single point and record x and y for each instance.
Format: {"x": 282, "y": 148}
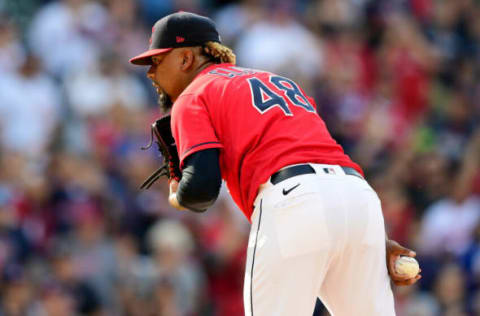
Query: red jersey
{"x": 260, "y": 121}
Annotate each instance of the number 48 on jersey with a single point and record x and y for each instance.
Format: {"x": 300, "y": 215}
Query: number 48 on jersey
{"x": 265, "y": 98}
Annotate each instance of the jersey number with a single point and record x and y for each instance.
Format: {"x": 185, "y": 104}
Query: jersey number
{"x": 264, "y": 98}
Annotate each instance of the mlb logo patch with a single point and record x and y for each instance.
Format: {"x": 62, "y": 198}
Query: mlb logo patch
{"x": 329, "y": 170}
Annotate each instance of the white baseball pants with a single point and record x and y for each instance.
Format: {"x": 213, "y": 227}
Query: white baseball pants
{"x": 325, "y": 238}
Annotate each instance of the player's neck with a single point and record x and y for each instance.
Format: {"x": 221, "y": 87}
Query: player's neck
{"x": 198, "y": 69}
{"x": 202, "y": 66}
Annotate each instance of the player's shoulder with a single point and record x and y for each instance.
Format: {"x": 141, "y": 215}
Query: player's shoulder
{"x": 216, "y": 77}
{"x": 228, "y": 73}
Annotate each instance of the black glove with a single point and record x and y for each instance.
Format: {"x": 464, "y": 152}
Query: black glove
{"x": 167, "y": 147}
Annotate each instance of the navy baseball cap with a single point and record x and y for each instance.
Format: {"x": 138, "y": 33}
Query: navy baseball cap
{"x": 180, "y": 29}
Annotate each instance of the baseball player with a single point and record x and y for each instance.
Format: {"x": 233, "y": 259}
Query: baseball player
{"x": 317, "y": 226}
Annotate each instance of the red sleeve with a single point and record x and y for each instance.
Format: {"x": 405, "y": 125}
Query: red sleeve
{"x": 192, "y": 127}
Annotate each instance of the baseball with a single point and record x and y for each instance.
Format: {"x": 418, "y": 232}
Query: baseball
{"x": 407, "y": 266}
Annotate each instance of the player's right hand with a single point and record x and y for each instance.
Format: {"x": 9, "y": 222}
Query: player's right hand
{"x": 394, "y": 251}
{"x": 172, "y": 197}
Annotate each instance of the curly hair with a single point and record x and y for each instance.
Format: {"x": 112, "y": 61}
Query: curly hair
{"x": 218, "y": 53}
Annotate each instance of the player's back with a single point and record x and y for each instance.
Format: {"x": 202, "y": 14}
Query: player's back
{"x": 264, "y": 122}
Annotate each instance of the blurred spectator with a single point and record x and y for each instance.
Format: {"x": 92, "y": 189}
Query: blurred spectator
{"x": 428, "y": 179}
{"x": 57, "y": 302}
{"x": 397, "y": 211}
{"x": 66, "y": 278}
{"x": 470, "y": 262}
{"x": 126, "y": 34}
{"x": 406, "y": 60}
{"x": 18, "y": 297}
{"x": 448, "y": 226}
{"x": 411, "y": 302}
{"x": 450, "y": 290}
{"x": 449, "y": 223}
{"x": 107, "y": 83}
{"x": 172, "y": 247}
{"x": 93, "y": 252}
{"x": 245, "y": 13}
{"x": 66, "y": 34}
{"x": 12, "y": 53}
{"x": 29, "y": 109}
{"x": 135, "y": 277}
{"x": 223, "y": 238}
{"x": 274, "y": 34}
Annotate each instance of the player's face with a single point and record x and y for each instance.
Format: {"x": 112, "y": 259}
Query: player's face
{"x": 165, "y": 76}
{"x": 156, "y": 73}
{"x": 172, "y": 72}
{"x": 164, "y": 99}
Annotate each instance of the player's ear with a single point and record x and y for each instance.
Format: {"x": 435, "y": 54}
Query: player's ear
{"x": 187, "y": 58}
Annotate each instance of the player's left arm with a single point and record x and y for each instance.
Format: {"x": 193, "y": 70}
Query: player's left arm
{"x": 394, "y": 250}
{"x": 200, "y": 184}
{"x": 198, "y": 148}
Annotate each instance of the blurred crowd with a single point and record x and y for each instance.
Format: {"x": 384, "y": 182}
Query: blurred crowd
{"x": 395, "y": 80}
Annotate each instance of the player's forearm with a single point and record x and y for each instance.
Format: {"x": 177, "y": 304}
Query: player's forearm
{"x": 201, "y": 181}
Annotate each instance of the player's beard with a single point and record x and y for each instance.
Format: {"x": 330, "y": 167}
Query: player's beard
{"x": 164, "y": 101}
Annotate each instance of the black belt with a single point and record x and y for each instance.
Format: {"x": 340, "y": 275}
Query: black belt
{"x": 297, "y": 170}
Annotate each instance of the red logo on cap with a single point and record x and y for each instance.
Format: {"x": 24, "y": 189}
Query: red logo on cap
{"x": 180, "y": 39}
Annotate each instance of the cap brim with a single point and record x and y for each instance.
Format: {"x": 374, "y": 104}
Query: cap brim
{"x": 145, "y": 59}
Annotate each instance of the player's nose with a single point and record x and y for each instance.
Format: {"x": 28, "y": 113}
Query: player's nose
{"x": 151, "y": 72}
